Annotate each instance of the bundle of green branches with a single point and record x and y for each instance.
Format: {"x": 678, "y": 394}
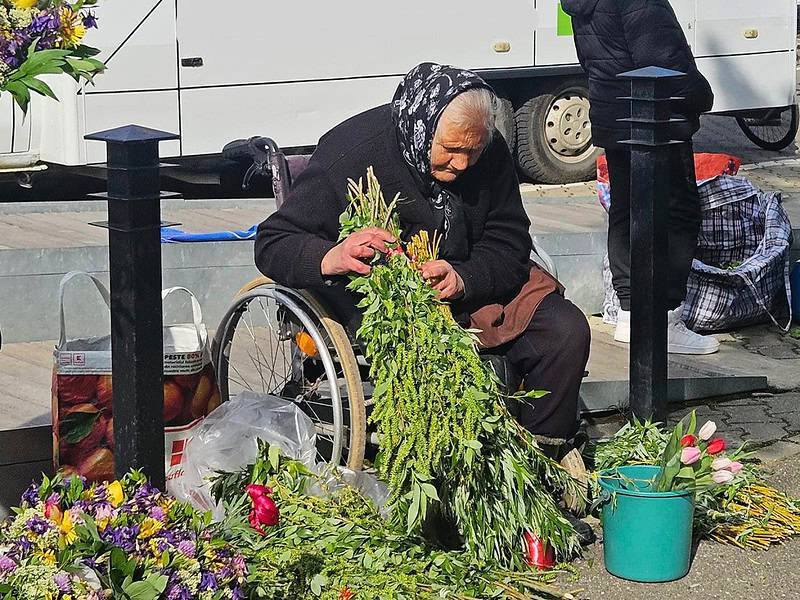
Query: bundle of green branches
{"x": 748, "y": 513}
{"x": 447, "y": 443}
{"x": 334, "y": 545}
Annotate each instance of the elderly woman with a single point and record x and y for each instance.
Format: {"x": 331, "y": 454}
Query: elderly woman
{"x": 436, "y": 146}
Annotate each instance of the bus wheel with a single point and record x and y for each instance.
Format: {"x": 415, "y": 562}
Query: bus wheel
{"x": 554, "y": 136}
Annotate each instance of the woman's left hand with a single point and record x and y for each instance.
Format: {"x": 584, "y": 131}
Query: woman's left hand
{"x": 442, "y": 277}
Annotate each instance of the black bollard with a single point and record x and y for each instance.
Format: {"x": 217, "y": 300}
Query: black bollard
{"x": 650, "y": 122}
{"x": 134, "y": 246}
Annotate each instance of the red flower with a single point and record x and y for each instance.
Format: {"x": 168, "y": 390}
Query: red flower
{"x": 687, "y": 440}
{"x": 255, "y": 491}
{"x": 716, "y": 446}
{"x": 265, "y": 511}
{"x": 346, "y": 594}
{"x": 537, "y": 553}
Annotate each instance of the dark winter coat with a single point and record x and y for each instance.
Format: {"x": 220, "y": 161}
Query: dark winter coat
{"x": 291, "y": 243}
{"x": 614, "y": 36}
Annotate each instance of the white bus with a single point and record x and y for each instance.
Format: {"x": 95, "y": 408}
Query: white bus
{"x": 216, "y": 71}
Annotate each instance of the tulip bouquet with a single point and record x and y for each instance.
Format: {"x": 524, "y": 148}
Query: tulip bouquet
{"x": 695, "y": 460}
{"x": 739, "y": 509}
{"x": 41, "y": 37}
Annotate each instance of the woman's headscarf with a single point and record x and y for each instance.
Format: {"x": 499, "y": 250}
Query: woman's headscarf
{"x": 418, "y": 103}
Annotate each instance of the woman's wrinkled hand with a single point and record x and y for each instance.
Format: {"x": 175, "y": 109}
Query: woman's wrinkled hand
{"x": 442, "y": 277}
{"x": 354, "y": 253}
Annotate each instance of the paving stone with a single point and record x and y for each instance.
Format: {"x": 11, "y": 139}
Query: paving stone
{"x": 759, "y": 433}
{"x": 751, "y": 414}
{"x": 781, "y": 352}
{"x": 778, "y": 451}
{"x": 783, "y": 403}
{"x": 792, "y": 421}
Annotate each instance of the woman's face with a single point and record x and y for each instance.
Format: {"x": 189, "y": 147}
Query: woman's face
{"x": 455, "y": 148}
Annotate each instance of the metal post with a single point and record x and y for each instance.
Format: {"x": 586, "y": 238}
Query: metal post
{"x": 134, "y": 245}
{"x": 649, "y": 186}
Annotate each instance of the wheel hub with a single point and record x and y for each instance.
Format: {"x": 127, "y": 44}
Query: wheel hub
{"x": 567, "y": 126}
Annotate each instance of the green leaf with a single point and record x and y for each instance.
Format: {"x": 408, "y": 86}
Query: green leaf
{"x": 40, "y": 87}
{"x": 317, "y": 583}
{"x": 430, "y": 491}
{"x": 275, "y": 457}
{"x": 77, "y": 425}
{"x": 149, "y": 589}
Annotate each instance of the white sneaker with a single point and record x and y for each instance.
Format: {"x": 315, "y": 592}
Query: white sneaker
{"x": 682, "y": 340}
{"x": 623, "y": 331}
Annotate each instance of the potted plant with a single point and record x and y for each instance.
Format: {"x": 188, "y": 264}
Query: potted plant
{"x": 43, "y": 37}
{"x": 648, "y": 510}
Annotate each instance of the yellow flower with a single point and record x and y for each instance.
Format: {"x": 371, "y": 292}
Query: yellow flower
{"x": 115, "y": 495}
{"x": 72, "y": 28}
{"x": 24, "y": 3}
{"x": 149, "y": 528}
{"x": 48, "y": 557}
{"x": 67, "y": 529}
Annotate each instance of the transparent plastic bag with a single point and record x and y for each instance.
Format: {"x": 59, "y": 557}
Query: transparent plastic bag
{"x": 333, "y": 479}
{"x": 227, "y": 441}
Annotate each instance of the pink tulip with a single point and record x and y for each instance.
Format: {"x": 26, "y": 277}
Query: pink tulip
{"x": 690, "y": 455}
{"x": 735, "y": 467}
{"x": 707, "y": 430}
{"x": 721, "y": 463}
{"x": 722, "y": 476}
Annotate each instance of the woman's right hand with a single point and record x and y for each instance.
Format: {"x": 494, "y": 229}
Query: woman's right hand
{"x": 353, "y": 254}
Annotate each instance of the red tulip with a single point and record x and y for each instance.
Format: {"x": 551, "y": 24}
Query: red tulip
{"x": 716, "y": 446}
{"x": 537, "y": 553}
{"x": 687, "y": 440}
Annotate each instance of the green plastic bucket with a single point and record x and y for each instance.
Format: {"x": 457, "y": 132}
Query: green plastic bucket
{"x": 647, "y": 536}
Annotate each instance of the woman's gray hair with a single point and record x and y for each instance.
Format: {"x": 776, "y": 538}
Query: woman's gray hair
{"x": 474, "y": 106}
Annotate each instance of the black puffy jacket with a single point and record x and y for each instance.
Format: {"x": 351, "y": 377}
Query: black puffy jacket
{"x": 614, "y": 36}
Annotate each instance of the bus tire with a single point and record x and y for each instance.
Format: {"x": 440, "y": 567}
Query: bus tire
{"x": 554, "y": 139}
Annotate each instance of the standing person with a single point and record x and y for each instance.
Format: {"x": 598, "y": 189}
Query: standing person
{"x": 611, "y": 37}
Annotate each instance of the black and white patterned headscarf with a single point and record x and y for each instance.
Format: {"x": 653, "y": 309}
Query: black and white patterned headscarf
{"x": 418, "y": 103}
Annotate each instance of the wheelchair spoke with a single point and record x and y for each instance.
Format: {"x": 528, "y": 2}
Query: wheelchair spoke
{"x": 264, "y": 351}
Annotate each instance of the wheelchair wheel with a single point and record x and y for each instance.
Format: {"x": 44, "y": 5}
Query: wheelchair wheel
{"x": 280, "y": 341}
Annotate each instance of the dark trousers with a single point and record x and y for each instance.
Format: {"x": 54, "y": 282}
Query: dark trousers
{"x": 684, "y": 222}
{"x": 551, "y": 354}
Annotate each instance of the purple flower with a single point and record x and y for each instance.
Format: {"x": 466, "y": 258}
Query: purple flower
{"x": 45, "y": 22}
{"x": 62, "y": 582}
{"x": 208, "y": 583}
{"x": 239, "y": 565}
{"x": 90, "y": 20}
{"x": 22, "y": 546}
{"x": 238, "y": 594}
{"x": 121, "y": 537}
{"x": 7, "y": 564}
{"x": 178, "y": 591}
{"x": 187, "y": 548}
{"x": 37, "y": 525}
{"x": 31, "y": 495}
{"x": 158, "y": 513}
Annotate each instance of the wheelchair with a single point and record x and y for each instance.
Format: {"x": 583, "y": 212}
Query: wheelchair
{"x": 283, "y": 341}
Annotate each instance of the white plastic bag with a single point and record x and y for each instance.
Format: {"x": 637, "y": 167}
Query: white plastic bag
{"x": 227, "y": 441}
